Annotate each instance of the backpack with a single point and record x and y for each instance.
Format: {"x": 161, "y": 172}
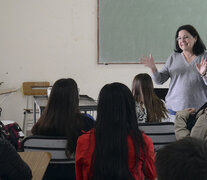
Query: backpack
{"x": 10, "y": 132}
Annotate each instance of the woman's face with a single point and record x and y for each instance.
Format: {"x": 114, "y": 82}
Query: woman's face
{"x": 186, "y": 41}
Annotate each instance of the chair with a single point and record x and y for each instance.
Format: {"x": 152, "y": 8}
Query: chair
{"x": 60, "y": 166}
{"x": 35, "y": 88}
{"x": 37, "y": 161}
{"x": 55, "y": 145}
{"x": 161, "y": 133}
{"x": 30, "y": 89}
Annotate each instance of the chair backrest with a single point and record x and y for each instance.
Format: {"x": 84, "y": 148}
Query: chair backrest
{"x": 35, "y": 88}
{"x": 55, "y": 145}
{"x": 161, "y": 133}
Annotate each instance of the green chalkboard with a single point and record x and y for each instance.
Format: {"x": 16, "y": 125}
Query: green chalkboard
{"x": 127, "y": 29}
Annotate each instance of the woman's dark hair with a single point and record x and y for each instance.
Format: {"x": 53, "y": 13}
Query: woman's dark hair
{"x": 198, "y": 48}
{"x": 116, "y": 120}
{"x": 142, "y": 87}
{"x": 61, "y": 116}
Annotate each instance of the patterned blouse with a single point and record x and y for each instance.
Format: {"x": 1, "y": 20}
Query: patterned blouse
{"x": 141, "y": 113}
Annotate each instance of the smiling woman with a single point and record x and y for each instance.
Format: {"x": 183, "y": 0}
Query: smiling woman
{"x": 186, "y": 68}
{"x": 186, "y": 42}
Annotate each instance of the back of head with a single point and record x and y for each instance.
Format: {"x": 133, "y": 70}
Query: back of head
{"x": 198, "y": 48}
{"x": 116, "y": 119}
{"x": 116, "y": 107}
{"x": 185, "y": 159}
{"x": 64, "y": 95}
{"x": 142, "y": 87}
{"x": 143, "y": 90}
{"x": 62, "y": 104}
{"x": 60, "y": 115}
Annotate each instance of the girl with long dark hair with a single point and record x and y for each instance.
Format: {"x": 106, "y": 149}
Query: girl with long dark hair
{"x": 62, "y": 116}
{"x": 115, "y": 149}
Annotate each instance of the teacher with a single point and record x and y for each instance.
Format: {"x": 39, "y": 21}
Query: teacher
{"x": 186, "y": 68}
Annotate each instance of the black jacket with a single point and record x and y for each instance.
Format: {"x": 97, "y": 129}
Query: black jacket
{"x": 12, "y": 167}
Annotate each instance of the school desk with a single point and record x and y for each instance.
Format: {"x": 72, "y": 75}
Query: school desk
{"x": 86, "y": 104}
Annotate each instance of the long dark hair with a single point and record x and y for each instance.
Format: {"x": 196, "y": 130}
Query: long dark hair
{"x": 61, "y": 116}
{"x": 198, "y": 48}
{"x": 142, "y": 86}
{"x": 116, "y": 119}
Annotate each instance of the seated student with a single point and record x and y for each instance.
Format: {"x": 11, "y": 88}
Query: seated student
{"x": 199, "y": 129}
{"x": 12, "y": 167}
{"x": 62, "y": 116}
{"x": 115, "y": 148}
{"x": 149, "y": 107}
{"x": 185, "y": 159}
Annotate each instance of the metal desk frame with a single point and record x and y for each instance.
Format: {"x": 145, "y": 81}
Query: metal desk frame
{"x": 86, "y": 103}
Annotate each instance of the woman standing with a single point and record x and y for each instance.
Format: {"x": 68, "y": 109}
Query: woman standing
{"x": 186, "y": 67}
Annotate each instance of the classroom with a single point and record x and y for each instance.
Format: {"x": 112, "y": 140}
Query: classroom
{"x": 52, "y": 39}
{"x": 47, "y": 40}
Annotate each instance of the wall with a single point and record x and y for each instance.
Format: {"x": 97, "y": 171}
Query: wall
{"x": 44, "y": 40}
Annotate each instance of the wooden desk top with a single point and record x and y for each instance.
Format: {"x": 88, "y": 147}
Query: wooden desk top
{"x": 37, "y": 161}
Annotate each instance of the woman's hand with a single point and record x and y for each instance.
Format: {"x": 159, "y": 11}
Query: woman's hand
{"x": 191, "y": 110}
{"x": 202, "y": 67}
{"x": 149, "y": 62}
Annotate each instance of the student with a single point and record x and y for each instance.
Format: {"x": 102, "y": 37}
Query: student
{"x": 198, "y": 129}
{"x": 186, "y": 68}
{"x": 62, "y": 116}
{"x": 12, "y": 167}
{"x": 149, "y": 107}
{"x": 185, "y": 159}
{"x": 115, "y": 148}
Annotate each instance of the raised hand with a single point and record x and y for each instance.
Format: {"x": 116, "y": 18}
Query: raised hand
{"x": 202, "y": 66}
{"x": 149, "y": 62}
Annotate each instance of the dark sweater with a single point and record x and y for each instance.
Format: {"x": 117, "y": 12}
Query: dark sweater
{"x": 12, "y": 167}
{"x": 87, "y": 124}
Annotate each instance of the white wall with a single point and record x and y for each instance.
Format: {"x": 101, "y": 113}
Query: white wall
{"x": 44, "y": 40}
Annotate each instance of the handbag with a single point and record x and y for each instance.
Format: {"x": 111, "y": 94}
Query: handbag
{"x": 10, "y": 132}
